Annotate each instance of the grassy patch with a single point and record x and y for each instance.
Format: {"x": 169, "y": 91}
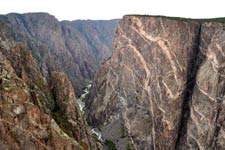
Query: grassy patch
{"x": 61, "y": 120}
{"x": 123, "y": 132}
{"x": 111, "y": 145}
{"x": 128, "y": 147}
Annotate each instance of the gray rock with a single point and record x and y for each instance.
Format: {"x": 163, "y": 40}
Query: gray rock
{"x": 164, "y": 83}
{"x": 74, "y": 47}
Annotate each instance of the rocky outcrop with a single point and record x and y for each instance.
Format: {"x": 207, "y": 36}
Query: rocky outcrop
{"x": 67, "y": 113}
{"x": 163, "y": 87}
{"x": 76, "y": 48}
{"x": 29, "y": 108}
{"x": 21, "y": 116}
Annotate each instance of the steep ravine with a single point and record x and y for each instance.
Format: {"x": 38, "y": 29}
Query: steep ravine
{"x": 76, "y": 48}
{"x": 81, "y": 103}
{"x": 34, "y": 113}
{"x": 80, "y": 100}
{"x": 163, "y": 86}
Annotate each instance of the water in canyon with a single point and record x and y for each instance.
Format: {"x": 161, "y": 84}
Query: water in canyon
{"x": 81, "y": 103}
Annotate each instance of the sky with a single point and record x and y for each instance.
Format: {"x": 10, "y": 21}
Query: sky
{"x": 111, "y": 9}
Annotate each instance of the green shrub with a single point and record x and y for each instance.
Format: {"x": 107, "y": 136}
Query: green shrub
{"x": 62, "y": 121}
{"x": 111, "y": 145}
{"x": 128, "y": 147}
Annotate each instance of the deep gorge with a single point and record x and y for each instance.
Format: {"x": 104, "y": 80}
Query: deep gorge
{"x": 140, "y": 83}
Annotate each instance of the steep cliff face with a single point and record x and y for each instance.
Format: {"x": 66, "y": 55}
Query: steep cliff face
{"x": 97, "y": 32}
{"x": 163, "y": 87}
{"x": 29, "y": 108}
{"x": 205, "y": 126}
{"x": 67, "y": 112}
{"x": 76, "y": 48}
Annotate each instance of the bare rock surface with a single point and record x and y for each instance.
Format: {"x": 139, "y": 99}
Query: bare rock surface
{"x": 29, "y": 107}
{"x": 67, "y": 112}
{"x": 163, "y": 86}
{"x": 205, "y": 125}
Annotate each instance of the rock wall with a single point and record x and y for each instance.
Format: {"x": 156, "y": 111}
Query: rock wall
{"x": 163, "y": 87}
{"x": 204, "y": 128}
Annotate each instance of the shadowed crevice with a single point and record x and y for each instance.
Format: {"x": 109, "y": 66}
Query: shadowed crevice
{"x": 196, "y": 59}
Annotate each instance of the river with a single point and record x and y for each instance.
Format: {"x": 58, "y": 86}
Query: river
{"x": 81, "y": 103}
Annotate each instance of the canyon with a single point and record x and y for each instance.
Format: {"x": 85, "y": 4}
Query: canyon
{"x": 44, "y": 66}
{"x": 74, "y": 47}
{"x": 34, "y": 113}
{"x": 157, "y": 83}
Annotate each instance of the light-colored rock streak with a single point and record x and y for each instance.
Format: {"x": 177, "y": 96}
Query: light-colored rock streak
{"x": 146, "y": 86}
{"x": 193, "y": 109}
{"x": 170, "y": 93}
{"x": 161, "y": 23}
{"x": 171, "y": 60}
{"x": 199, "y": 145}
{"x": 142, "y": 32}
{"x": 213, "y": 58}
{"x": 171, "y": 57}
{"x": 131, "y": 71}
{"x": 161, "y": 42}
{"x": 141, "y": 58}
{"x": 205, "y": 93}
{"x": 220, "y": 49}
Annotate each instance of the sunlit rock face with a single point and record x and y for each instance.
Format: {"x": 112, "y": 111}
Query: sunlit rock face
{"x": 163, "y": 87}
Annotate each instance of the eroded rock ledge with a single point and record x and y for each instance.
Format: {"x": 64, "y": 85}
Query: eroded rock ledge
{"x": 164, "y": 86}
